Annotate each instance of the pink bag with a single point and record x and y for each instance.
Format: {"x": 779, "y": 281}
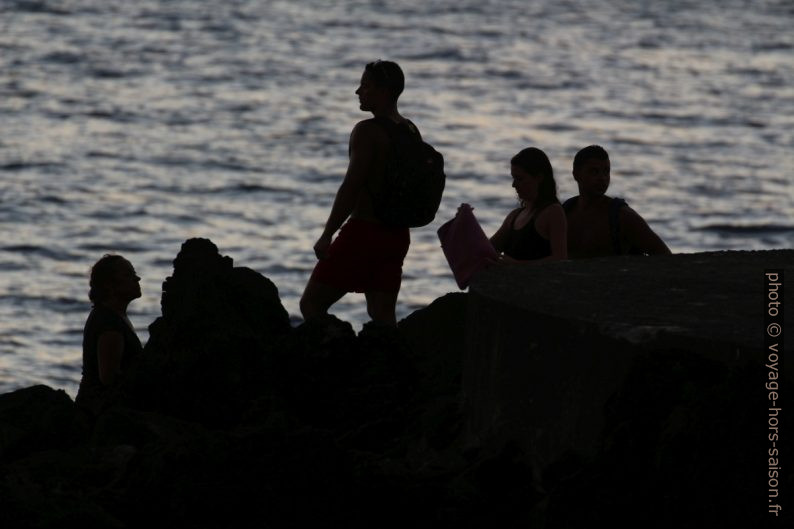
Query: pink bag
{"x": 465, "y": 245}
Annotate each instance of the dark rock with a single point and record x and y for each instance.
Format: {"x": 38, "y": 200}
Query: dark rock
{"x": 678, "y": 449}
{"x": 708, "y": 300}
{"x": 38, "y": 418}
{"x": 634, "y": 385}
{"x": 135, "y": 429}
{"x": 358, "y": 386}
{"x": 492, "y": 408}
{"x": 434, "y": 343}
{"x": 206, "y": 356}
{"x": 314, "y": 367}
{"x": 54, "y": 489}
{"x": 436, "y": 340}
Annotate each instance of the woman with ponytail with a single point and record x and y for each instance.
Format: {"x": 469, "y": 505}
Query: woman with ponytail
{"x": 537, "y": 230}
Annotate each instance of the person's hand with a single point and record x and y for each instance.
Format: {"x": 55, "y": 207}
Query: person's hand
{"x": 505, "y": 259}
{"x": 321, "y": 246}
{"x": 499, "y": 260}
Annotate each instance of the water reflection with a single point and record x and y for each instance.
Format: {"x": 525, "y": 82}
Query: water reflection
{"x": 231, "y": 121}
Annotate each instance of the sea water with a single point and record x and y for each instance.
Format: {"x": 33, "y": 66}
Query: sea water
{"x": 130, "y": 126}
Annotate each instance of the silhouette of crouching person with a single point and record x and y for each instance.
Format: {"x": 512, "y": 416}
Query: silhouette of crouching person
{"x": 110, "y": 345}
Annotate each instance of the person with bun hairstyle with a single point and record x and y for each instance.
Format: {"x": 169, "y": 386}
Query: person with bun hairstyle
{"x": 537, "y": 230}
{"x": 110, "y": 344}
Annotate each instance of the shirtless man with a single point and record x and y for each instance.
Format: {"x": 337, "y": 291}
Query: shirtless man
{"x": 366, "y": 256}
{"x": 599, "y": 225}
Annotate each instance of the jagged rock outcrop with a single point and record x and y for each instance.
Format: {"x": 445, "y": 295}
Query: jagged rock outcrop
{"x": 38, "y": 418}
{"x": 207, "y": 355}
{"x": 542, "y": 398}
{"x": 633, "y": 385}
{"x": 233, "y": 414}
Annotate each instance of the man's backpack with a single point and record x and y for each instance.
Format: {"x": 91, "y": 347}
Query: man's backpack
{"x": 413, "y": 179}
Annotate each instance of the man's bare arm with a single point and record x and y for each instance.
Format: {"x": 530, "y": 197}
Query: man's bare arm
{"x": 362, "y": 154}
{"x": 640, "y": 235}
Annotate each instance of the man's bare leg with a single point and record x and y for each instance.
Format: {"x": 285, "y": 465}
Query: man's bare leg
{"x": 318, "y": 298}
{"x": 381, "y": 307}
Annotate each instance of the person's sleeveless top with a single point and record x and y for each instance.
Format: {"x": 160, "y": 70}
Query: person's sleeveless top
{"x": 100, "y": 320}
{"x": 526, "y": 244}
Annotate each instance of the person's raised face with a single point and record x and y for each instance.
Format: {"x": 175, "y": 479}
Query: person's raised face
{"x": 525, "y": 183}
{"x": 592, "y": 177}
{"x": 126, "y": 283}
{"x": 370, "y": 95}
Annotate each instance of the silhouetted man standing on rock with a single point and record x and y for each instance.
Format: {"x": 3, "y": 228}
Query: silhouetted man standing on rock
{"x": 599, "y": 225}
{"x": 366, "y": 256}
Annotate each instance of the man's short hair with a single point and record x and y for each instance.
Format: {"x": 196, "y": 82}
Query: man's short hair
{"x": 588, "y": 153}
{"x": 387, "y": 74}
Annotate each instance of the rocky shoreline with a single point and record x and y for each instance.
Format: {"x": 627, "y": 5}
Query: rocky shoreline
{"x": 545, "y": 397}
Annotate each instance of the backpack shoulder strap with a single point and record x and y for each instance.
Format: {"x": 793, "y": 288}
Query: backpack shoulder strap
{"x": 413, "y": 129}
{"x": 393, "y": 128}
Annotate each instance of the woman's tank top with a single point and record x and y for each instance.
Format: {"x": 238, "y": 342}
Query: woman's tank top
{"x": 92, "y": 395}
{"x": 526, "y": 244}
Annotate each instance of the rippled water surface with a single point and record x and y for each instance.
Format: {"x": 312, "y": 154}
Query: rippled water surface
{"x": 131, "y": 126}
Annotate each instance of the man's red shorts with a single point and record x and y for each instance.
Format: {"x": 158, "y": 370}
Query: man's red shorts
{"x": 365, "y": 257}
